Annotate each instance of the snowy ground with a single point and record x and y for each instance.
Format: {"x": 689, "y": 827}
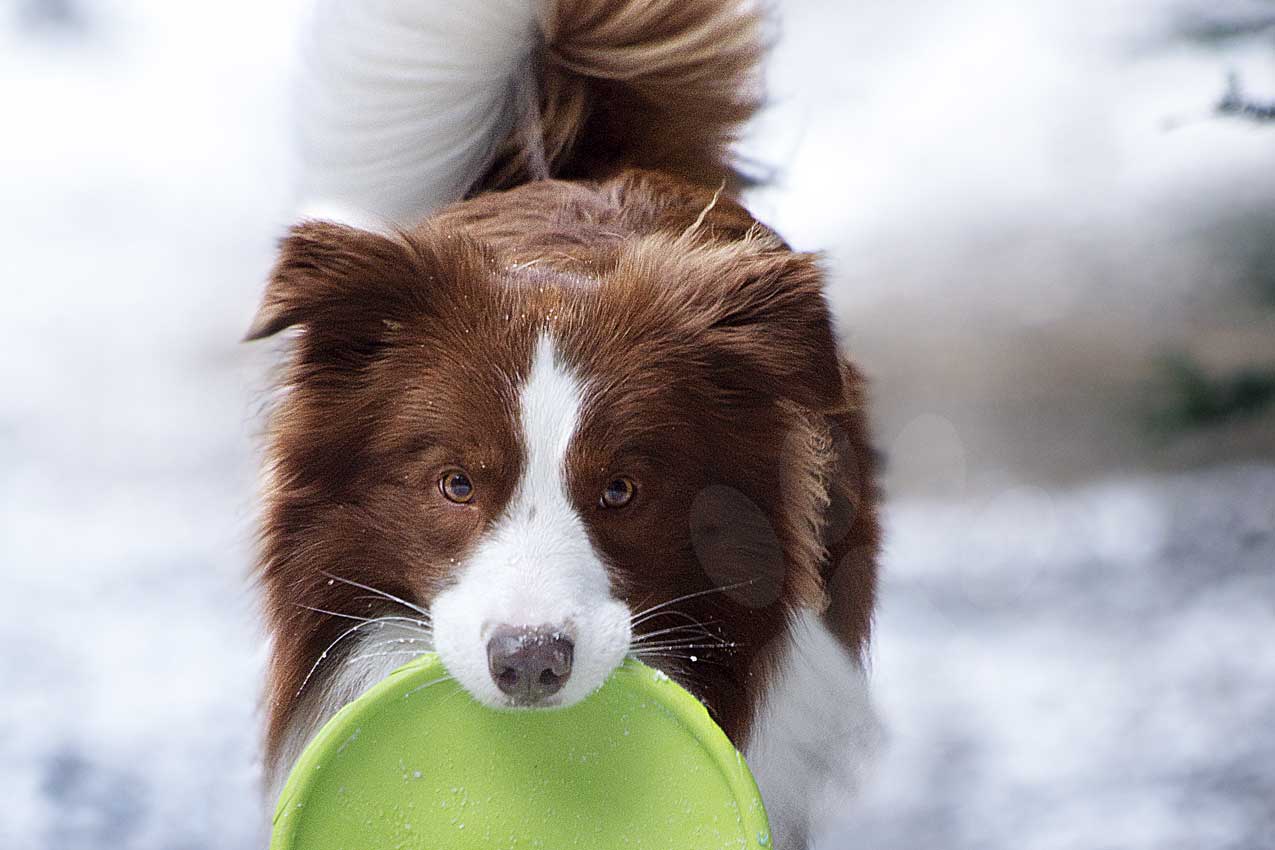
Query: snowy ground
{"x": 1071, "y": 650}
{"x": 1080, "y": 669}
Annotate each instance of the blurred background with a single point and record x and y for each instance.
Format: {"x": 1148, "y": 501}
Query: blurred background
{"x": 1051, "y": 230}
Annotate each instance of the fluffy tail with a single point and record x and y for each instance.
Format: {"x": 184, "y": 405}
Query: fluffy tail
{"x": 405, "y": 105}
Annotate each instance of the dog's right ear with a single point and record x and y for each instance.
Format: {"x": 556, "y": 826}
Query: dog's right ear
{"x": 336, "y": 281}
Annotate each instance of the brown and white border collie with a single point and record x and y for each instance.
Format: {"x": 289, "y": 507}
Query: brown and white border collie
{"x": 561, "y": 399}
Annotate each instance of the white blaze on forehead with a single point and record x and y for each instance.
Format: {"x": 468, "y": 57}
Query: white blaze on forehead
{"x": 536, "y": 566}
{"x": 550, "y": 408}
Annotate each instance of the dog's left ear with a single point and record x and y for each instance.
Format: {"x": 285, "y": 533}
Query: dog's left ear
{"x": 771, "y": 330}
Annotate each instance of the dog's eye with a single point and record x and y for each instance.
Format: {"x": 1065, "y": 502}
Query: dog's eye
{"x": 456, "y": 486}
{"x": 618, "y": 493}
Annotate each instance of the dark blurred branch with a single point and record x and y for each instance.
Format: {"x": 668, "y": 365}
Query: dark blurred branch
{"x": 52, "y": 15}
{"x": 1216, "y": 22}
{"x": 1235, "y": 103}
{"x": 1194, "y": 400}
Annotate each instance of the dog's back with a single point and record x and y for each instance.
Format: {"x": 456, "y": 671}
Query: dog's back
{"x": 559, "y": 191}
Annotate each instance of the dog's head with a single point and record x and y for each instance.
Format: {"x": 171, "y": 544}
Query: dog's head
{"x": 561, "y": 469}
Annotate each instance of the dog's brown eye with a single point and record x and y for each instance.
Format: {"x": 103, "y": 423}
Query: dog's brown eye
{"x": 456, "y": 486}
{"x": 618, "y": 493}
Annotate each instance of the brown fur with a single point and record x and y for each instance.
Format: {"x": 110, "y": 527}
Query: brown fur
{"x": 705, "y": 341}
{"x": 662, "y": 84}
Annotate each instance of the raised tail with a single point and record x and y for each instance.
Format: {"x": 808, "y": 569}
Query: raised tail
{"x": 406, "y": 105}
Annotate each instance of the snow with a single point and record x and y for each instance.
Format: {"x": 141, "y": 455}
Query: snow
{"x": 141, "y": 195}
{"x": 1107, "y": 685}
{"x": 1069, "y": 665}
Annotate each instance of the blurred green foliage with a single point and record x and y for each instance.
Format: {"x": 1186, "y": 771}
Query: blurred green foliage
{"x": 1190, "y": 399}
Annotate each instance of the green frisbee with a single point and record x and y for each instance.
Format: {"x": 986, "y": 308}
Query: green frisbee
{"x": 416, "y": 764}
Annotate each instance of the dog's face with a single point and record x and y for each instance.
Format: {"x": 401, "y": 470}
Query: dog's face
{"x": 560, "y": 470}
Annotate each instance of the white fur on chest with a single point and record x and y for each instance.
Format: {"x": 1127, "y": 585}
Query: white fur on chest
{"x": 814, "y": 737}
{"x": 371, "y": 658}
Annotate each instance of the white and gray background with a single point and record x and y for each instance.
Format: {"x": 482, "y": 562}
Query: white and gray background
{"x": 1027, "y": 206}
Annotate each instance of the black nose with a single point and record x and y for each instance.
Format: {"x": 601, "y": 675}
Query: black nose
{"x": 529, "y": 663}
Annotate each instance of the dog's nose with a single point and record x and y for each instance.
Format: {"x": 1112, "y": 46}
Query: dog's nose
{"x": 529, "y": 664}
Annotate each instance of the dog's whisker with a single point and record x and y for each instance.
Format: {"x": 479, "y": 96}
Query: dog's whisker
{"x": 645, "y": 600}
{"x": 381, "y": 593}
{"x": 673, "y": 612}
{"x": 379, "y": 621}
{"x": 669, "y": 657}
{"x": 680, "y": 640}
{"x": 324, "y": 654}
{"x": 682, "y": 652}
{"x": 407, "y": 625}
{"x": 642, "y": 616}
{"x": 692, "y": 630}
{"x": 425, "y": 616}
{"x": 415, "y": 653}
{"x": 414, "y": 620}
{"x": 679, "y": 635}
{"x": 421, "y": 645}
{"x": 679, "y": 645}
{"x": 390, "y": 641}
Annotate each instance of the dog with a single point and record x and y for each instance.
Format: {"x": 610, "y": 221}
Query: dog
{"x": 553, "y": 398}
